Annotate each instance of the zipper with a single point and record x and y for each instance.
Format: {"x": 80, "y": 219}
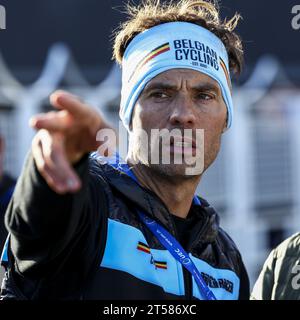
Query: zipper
{"x": 188, "y": 284}
{"x": 187, "y": 277}
{"x": 188, "y": 280}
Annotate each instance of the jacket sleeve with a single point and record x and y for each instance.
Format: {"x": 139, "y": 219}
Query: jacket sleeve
{"x": 42, "y": 223}
{"x": 264, "y": 285}
{"x": 244, "y": 293}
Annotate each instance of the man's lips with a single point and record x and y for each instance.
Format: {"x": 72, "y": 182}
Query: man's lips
{"x": 181, "y": 145}
{"x": 184, "y": 142}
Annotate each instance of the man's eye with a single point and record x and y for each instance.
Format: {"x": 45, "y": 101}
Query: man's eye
{"x": 159, "y": 94}
{"x": 205, "y": 96}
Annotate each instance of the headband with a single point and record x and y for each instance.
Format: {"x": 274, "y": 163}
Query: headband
{"x": 168, "y": 46}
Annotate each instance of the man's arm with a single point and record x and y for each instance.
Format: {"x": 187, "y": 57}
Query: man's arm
{"x": 41, "y": 222}
{"x": 51, "y": 206}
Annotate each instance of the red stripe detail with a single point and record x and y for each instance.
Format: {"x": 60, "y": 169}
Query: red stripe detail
{"x": 143, "y": 62}
{"x": 144, "y": 250}
{"x": 226, "y": 72}
{"x": 156, "y": 54}
{"x": 161, "y": 267}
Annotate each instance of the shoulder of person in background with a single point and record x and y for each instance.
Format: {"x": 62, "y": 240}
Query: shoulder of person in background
{"x": 7, "y": 185}
{"x": 280, "y": 276}
{"x": 7, "y": 182}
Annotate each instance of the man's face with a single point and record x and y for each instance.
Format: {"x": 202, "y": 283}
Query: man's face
{"x": 179, "y": 99}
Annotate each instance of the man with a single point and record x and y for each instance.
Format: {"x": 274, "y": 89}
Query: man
{"x": 83, "y": 229}
{"x": 280, "y": 276}
{"x": 7, "y": 184}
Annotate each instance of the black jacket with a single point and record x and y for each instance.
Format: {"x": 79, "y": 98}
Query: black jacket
{"x": 7, "y": 185}
{"x": 92, "y": 244}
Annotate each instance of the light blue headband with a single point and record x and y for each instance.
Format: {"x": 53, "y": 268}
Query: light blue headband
{"x": 168, "y": 46}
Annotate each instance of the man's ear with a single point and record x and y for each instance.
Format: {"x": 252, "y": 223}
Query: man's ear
{"x": 225, "y": 125}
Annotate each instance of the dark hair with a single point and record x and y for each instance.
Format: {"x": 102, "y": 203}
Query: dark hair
{"x": 206, "y": 14}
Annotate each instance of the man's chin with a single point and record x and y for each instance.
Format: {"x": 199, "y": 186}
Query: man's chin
{"x": 175, "y": 170}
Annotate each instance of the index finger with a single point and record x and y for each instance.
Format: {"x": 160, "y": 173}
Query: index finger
{"x": 64, "y": 100}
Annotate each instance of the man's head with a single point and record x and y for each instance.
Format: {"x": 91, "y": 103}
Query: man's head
{"x": 176, "y": 58}
{"x": 151, "y": 13}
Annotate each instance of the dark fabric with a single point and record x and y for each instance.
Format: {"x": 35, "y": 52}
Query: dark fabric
{"x": 7, "y": 184}
{"x": 58, "y": 242}
{"x": 186, "y": 227}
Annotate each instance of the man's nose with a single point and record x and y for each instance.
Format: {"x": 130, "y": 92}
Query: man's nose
{"x": 183, "y": 113}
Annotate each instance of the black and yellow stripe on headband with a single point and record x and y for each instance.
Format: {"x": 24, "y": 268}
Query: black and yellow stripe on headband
{"x": 223, "y": 66}
{"x": 154, "y": 53}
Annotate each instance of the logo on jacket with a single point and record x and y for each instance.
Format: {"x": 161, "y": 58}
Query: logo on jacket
{"x": 145, "y": 248}
{"x": 217, "y": 283}
{"x": 296, "y": 278}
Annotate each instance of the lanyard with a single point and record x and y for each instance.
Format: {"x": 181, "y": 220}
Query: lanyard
{"x": 170, "y": 243}
{"x": 176, "y": 250}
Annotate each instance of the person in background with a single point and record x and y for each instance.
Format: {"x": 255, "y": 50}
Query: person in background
{"x": 7, "y": 184}
{"x": 280, "y": 276}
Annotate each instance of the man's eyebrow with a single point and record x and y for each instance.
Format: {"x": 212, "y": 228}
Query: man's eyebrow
{"x": 159, "y": 85}
{"x": 208, "y": 86}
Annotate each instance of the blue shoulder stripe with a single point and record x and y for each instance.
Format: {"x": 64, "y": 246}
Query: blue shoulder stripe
{"x": 125, "y": 251}
{"x": 122, "y": 253}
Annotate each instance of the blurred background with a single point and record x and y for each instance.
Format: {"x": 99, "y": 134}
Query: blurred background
{"x": 255, "y": 182}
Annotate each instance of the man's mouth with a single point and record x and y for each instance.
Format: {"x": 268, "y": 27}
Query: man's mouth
{"x": 182, "y": 145}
